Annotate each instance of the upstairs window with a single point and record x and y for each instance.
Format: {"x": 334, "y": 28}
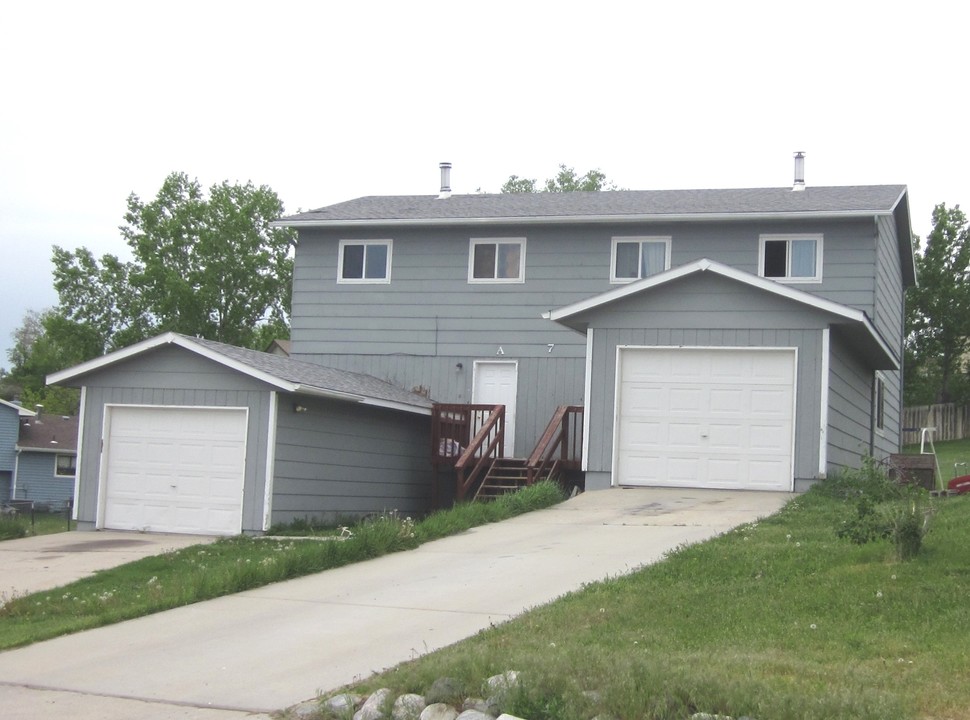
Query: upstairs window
{"x": 791, "y": 258}
{"x": 497, "y": 260}
{"x": 364, "y": 261}
{"x": 65, "y": 465}
{"x": 635, "y": 258}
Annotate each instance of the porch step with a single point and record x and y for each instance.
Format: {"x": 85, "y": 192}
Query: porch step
{"x": 506, "y": 475}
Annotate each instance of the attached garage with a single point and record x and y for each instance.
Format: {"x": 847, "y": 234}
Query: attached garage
{"x": 174, "y": 469}
{"x": 705, "y": 417}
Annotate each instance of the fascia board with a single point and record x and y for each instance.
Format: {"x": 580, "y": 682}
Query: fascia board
{"x": 361, "y": 399}
{"x": 578, "y": 219}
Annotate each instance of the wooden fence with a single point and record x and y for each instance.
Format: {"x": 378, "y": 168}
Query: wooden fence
{"x": 952, "y": 422}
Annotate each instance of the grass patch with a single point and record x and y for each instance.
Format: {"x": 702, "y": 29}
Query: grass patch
{"x": 776, "y": 619}
{"x": 231, "y": 565}
{"x": 21, "y": 526}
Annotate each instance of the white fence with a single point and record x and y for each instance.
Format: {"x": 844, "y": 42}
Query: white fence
{"x": 952, "y": 422}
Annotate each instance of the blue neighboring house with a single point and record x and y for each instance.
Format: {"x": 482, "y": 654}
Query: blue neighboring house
{"x": 38, "y": 457}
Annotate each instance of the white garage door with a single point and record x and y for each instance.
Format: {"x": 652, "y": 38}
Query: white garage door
{"x": 175, "y": 470}
{"x": 709, "y": 418}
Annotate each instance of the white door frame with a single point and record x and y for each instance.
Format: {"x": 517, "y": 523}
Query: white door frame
{"x": 509, "y": 406}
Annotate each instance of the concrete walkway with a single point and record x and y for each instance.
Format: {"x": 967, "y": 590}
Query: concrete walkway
{"x": 265, "y": 649}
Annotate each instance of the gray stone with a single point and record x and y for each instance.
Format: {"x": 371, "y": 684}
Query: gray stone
{"x": 439, "y": 711}
{"x": 374, "y": 706}
{"x": 475, "y": 703}
{"x": 444, "y": 690}
{"x": 505, "y": 681}
{"x": 475, "y": 715}
{"x": 309, "y": 710}
{"x": 408, "y": 707}
{"x": 505, "y": 716}
{"x": 341, "y": 706}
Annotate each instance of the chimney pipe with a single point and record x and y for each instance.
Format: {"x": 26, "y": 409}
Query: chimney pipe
{"x": 445, "y": 191}
{"x": 799, "y": 171}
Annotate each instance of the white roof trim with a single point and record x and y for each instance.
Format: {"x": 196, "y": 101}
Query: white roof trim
{"x": 24, "y": 412}
{"x": 168, "y": 338}
{"x": 705, "y": 265}
{"x": 578, "y": 219}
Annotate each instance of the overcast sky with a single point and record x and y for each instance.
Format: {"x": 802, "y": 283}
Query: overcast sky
{"x": 327, "y": 101}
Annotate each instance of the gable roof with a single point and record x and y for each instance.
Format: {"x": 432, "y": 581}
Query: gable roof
{"x": 283, "y": 373}
{"x": 21, "y": 410}
{"x": 575, "y": 316}
{"x": 49, "y": 433}
{"x": 623, "y": 206}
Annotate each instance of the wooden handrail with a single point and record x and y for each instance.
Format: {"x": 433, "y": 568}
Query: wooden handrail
{"x": 565, "y": 433}
{"x": 487, "y": 445}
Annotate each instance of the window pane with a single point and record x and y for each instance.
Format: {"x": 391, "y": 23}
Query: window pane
{"x": 353, "y": 268}
{"x": 803, "y": 258}
{"x": 376, "y": 262}
{"x": 509, "y": 255}
{"x": 652, "y": 257}
{"x": 776, "y": 258}
{"x": 484, "y": 262}
{"x": 627, "y": 259}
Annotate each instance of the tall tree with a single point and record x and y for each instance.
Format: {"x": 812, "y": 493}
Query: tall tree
{"x": 202, "y": 265}
{"x": 566, "y": 180}
{"x": 938, "y": 312}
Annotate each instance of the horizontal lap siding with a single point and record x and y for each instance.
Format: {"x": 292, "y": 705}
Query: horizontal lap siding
{"x": 171, "y": 376}
{"x": 9, "y": 433}
{"x": 850, "y": 408}
{"x": 339, "y": 459}
{"x": 36, "y": 481}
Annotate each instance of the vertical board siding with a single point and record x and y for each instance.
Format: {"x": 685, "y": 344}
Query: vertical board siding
{"x": 36, "y": 481}
{"x": 172, "y": 376}
{"x": 339, "y": 460}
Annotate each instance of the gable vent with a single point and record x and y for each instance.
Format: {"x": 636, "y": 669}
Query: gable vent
{"x": 445, "y": 191}
{"x": 799, "y": 171}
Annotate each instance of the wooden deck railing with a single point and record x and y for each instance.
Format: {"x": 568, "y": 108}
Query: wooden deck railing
{"x": 467, "y": 438}
{"x": 487, "y": 445}
{"x": 565, "y": 434}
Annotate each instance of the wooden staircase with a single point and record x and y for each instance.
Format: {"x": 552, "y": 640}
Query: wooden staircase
{"x": 507, "y": 475}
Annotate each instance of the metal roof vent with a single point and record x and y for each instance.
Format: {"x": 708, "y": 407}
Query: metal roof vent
{"x": 799, "y": 171}
{"x": 445, "y": 191}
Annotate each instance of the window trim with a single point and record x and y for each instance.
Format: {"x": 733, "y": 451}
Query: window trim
{"x": 474, "y": 242}
{"x": 57, "y": 457}
{"x": 639, "y": 239}
{"x": 389, "y": 244}
{"x": 788, "y": 238}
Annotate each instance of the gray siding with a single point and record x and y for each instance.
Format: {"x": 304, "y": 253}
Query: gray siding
{"x": 36, "y": 480}
{"x": 850, "y": 408}
{"x": 340, "y": 460}
{"x": 9, "y": 432}
{"x": 6, "y": 480}
{"x": 414, "y": 330}
{"x": 888, "y": 310}
{"x": 171, "y": 376}
{"x": 736, "y": 316}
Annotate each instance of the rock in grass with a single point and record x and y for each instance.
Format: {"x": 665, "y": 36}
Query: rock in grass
{"x": 340, "y": 705}
{"x": 475, "y": 715}
{"x": 439, "y": 711}
{"x": 374, "y": 706}
{"x": 444, "y": 690}
{"x": 505, "y": 681}
{"x": 309, "y": 710}
{"x": 408, "y": 707}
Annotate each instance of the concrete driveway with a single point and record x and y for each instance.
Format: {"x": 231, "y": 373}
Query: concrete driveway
{"x": 265, "y": 649}
{"x": 33, "y": 564}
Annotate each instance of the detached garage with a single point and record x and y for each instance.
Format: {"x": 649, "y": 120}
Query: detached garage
{"x": 706, "y": 376}
{"x": 185, "y": 435}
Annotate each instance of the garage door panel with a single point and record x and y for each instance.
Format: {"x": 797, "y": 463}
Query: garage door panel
{"x": 717, "y": 418}
{"x": 175, "y": 469}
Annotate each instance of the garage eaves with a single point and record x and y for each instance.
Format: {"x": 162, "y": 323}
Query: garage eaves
{"x": 575, "y": 316}
{"x": 283, "y": 373}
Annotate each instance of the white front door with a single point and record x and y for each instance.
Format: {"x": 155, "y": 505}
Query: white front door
{"x": 497, "y": 383}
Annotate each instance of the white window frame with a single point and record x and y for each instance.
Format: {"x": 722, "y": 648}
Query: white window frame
{"x": 474, "y": 242}
{"x": 879, "y": 403}
{"x": 56, "y": 470}
{"x": 389, "y": 244}
{"x": 788, "y": 238}
{"x": 640, "y": 240}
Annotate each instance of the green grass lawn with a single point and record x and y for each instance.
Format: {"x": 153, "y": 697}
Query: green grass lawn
{"x": 231, "y": 565}
{"x": 19, "y": 526}
{"x": 780, "y": 619}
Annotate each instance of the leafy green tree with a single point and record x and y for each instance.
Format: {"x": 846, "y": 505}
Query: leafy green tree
{"x": 938, "y": 313}
{"x": 209, "y": 266}
{"x": 566, "y": 180}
